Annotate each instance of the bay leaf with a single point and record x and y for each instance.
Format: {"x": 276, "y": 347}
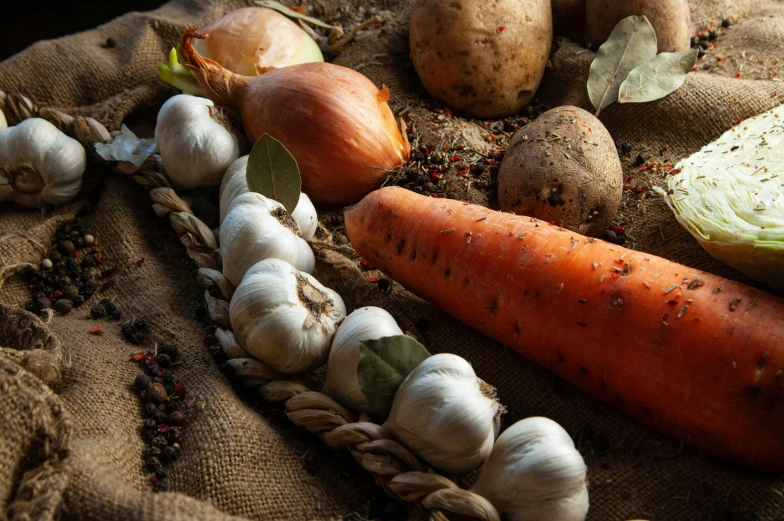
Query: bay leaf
{"x": 631, "y": 43}
{"x": 383, "y": 365}
{"x": 657, "y": 78}
{"x": 277, "y": 6}
{"x": 273, "y": 172}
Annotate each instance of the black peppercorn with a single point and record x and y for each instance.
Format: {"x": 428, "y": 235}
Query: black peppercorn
{"x": 640, "y": 160}
{"x": 161, "y": 417}
{"x": 87, "y": 293}
{"x": 152, "y": 463}
{"x": 726, "y": 23}
{"x": 115, "y": 314}
{"x": 170, "y": 350}
{"x": 160, "y": 486}
{"x": 97, "y": 311}
{"x": 150, "y": 409}
{"x": 55, "y": 256}
{"x": 160, "y": 442}
{"x": 142, "y": 382}
{"x": 109, "y": 307}
{"x": 164, "y": 360}
{"x": 169, "y": 453}
{"x": 712, "y": 35}
{"x": 169, "y": 388}
{"x": 70, "y": 292}
{"x": 66, "y": 247}
{"x": 173, "y": 434}
{"x": 63, "y": 306}
{"x": 78, "y": 301}
{"x": 150, "y": 423}
{"x": 166, "y": 377}
{"x": 78, "y": 242}
{"x": 176, "y": 418}
{"x": 38, "y": 295}
{"x": 161, "y": 473}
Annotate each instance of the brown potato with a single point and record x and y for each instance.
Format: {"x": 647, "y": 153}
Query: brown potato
{"x": 563, "y": 168}
{"x": 569, "y": 19}
{"x": 485, "y": 59}
{"x": 670, "y": 19}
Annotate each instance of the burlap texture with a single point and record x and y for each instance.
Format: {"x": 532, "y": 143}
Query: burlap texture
{"x": 237, "y": 462}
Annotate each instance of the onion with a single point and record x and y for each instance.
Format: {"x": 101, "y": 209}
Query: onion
{"x": 333, "y": 120}
{"x": 252, "y": 40}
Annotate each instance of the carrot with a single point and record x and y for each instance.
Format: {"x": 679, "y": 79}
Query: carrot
{"x": 694, "y": 355}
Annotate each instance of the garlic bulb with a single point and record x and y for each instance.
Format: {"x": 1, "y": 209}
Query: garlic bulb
{"x": 257, "y": 228}
{"x": 235, "y": 184}
{"x": 535, "y": 473}
{"x": 39, "y": 164}
{"x": 251, "y": 40}
{"x": 342, "y": 382}
{"x": 445, "y": 414}
{"x": 196, "y": 141}
{"x": 285, "y": 317}
{"x": 3, "y": 122}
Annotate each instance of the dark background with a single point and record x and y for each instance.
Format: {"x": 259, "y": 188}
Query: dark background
{"x": 23, "y": 22}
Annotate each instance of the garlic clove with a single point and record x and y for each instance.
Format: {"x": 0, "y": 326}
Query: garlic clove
{"x": 341, "y": 382}
{"x": 445, "y": 414}
{"x": 234, "y": 184}
{"x": 285, "y": 317}
{"x": 196, "y": 141}
{"x": 40, "y": 164}
{"x": 257, "y": 228}
{"x": 534, "y": 472}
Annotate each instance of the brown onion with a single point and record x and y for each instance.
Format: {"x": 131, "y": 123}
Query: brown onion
{"x": 334, "y": 121}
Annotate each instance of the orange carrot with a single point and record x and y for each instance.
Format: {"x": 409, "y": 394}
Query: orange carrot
{"x": 694, "y": 355}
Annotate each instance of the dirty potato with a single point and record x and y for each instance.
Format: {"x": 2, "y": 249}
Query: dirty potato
{"x": 563, "y": 168}
{"x": 670, "y": 20}
{"x": 484, "y": 59}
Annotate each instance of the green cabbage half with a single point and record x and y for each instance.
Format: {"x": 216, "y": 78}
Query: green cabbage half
{"x": 730, "y": 197}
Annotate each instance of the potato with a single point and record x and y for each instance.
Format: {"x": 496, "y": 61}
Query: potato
{"x": 569, "y": 19}
{"x": 484, "y": 59}
{"x": 670, "y": 20}
{"x": 563, "y": 168}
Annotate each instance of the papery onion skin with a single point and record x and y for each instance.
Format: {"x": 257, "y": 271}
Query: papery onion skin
{"x": 334, "y": 121}
{"x": 251, "y": 40}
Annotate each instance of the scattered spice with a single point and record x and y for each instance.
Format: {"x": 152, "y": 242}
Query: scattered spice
{"x": 734, "y": 304}
{"x": 96, "y": 331}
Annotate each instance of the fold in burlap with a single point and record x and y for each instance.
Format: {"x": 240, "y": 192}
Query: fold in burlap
{"x": 76, "y": 449}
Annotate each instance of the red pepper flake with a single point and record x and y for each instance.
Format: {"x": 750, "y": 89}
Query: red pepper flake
{"x": 135, "y": 357}
{"x": 56, "y": 295}
{"x": 675, "y": 171}
{"x": 672, "y": 302}
{"x": 639, "y": 189}
{"x": 455, "y": 159}
{"x": 75, "y": 253}
{"x": 670, "y": 191}
{"x": 373, "y": 280}
{"x": 140, "y": 262}
{"x": 162, "y": 428}
{"x": 500, "y": 29}
{"x": 365, "y": 265}
{"x": 179, "y": 388}
{"x": 739, "y": 75}
{"x": 618, "y": 230}
{"x": 643, "y": 168}
{"x": 737, "y": 122}
{"x": 97, "y": 249}
{"x": 774, "y": 94}
{"x": 98, "y": 331}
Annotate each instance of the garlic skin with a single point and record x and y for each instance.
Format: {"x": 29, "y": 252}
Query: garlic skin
{"x": 257, "y": 228}
{"x": 445, "y": 414}
{"x": 3, "y": 122}
{"x": 535, "y": 473}
{"x": 341, "y": 382}
{"x": 39, "y": 164}
{"x": 196, "y": 141}
{"x": 285, "y": 317}
{"x": 234, "y": 184}
{"x": 251, "y": 40}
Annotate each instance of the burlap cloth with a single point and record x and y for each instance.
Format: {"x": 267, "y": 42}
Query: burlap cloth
{"x": 74, "y": 450}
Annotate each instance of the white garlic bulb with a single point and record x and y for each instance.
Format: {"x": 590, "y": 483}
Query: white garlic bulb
{"x": 535, "y": 473}
{"x": 285, "y": 317}
{"x": 341, "y": 382}
{"x": 39, "y": 164}
{"x": 234, "y": 184}
{"x": 196, "y": 141}
{"x": 257, "y": 228}
{"x": 3, "y": 122}
{"x": 445, "y": 414}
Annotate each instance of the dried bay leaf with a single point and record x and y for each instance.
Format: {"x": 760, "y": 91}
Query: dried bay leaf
{"x": 659, "y": 77}
{"x": 631, "y": 43}
{"x": 383, "y": 365}
{"x": 273, "y": 172}
{"x": 272, "y": 4}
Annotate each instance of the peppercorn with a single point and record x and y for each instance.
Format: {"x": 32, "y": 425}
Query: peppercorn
{"x": 166, "y": 377}
{"x": 429, "y": 187}
{"x": 169, "y": 350}
{"x": 88, "y": 239}
{"x": 42, "y": 304}
{"x": 726, "y": 23}
{"x": 109, "y": 306}
{"x": 169, "y": 453}
{"x": 160, "y": 486}
{"x": 161, "y": 473}
{"x": 156, "y": 393}
{"x": 150, "y": 423}
{"x": 164, "y": 360}
{"x": 89, "y": 261}
{"x": 150, "y": 409}
{"x": 712, "y": 35}
{"x": 695, "y": 40}
{"x": 161, "y": 417}
{"x": 46, "y": 264}
{"x": 176, "y": 418}
{"x": 115, "y": 315}
{"x": 478, "y": 168}
{"x": 152, "y": 463}
{"x": 38, "y": 295}
{"x": 173, "y": 433}
{"x": 78, "y": 242}
{"x": 700, "y": 52}
{"x": 66, "y": 247}
{"x": 97, "y": 311}
{"x": 70, "y": 292}
{"x": 55, "y": 256}
{"x": 141, "y": 382}
{"x": 160, "y": 442}
{"x": 640, "y": 160}
{"x": 169, "y": 388}
{"x": 151, "y": 451}
{"x": 63, "y": 306}
{"x": 78, "y": 301}
{"x": 87, "y": 293}
{"x": 135, "y": 330}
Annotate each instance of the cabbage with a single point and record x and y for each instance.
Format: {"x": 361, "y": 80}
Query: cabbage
{"x": 730, "y": 197}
